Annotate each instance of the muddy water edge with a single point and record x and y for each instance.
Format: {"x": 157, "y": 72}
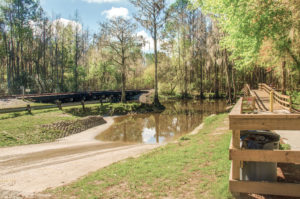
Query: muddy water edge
{"x": 179, "y": 118}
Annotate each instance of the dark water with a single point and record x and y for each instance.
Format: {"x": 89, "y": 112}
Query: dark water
{"x": 179, "y": 118}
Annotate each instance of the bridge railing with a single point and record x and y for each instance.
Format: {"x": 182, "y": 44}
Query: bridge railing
{"x": 285, "y": 101}
{"x": 239, "y": 121}
{"x": 249, "y": 100}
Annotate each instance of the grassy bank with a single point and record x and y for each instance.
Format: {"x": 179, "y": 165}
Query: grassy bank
{"x": 23, "y": 128}
{"x": 196, "y": 166}
{"x": 167, "y": 96}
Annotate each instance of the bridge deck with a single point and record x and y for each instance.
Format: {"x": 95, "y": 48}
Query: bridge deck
{"x": 263, "y": 101}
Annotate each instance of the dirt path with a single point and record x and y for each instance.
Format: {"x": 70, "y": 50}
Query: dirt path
{"x": 11, "y": 103}
{"x": 25, "y": 170}
{"x": 146, "y": 97}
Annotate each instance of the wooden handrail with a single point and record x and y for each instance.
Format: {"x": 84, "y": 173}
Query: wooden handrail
{"x": 248, "y": 91}
{"x": 263, "y": 121}
{"x": 285, "y": 101}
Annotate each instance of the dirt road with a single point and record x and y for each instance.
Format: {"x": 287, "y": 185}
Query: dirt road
{"x": 25, "y": 170}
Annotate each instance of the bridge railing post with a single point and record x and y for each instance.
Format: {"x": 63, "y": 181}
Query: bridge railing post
{"x": 290, "y": 104}
{"x": 271, "y": 100}
{"x": 253, "y": 103}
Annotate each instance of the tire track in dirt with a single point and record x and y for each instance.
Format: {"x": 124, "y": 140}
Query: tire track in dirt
{"x": 27, "y": 170}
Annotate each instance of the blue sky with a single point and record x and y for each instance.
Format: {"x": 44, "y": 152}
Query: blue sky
{"x": 91, "y": 12}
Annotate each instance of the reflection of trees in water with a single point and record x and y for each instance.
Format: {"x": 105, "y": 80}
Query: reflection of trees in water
{"x": 126, "y": 129}
{"x": 180, "y": 117}
{"x": 157, "y": 127}
{"x": 195, "y": 107}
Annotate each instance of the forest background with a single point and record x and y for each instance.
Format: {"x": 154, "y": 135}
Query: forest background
{"x": 204, "y": 47}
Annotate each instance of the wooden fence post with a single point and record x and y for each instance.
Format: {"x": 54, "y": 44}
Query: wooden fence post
{"x": 101, "y": 102}
{"x": 271, "y": 100}
{"x": 253, "y": 103}
{"x": 236, "y": 164}
{"x": 82, "y": 103}
{"x": 290, "y": 103}
{"x": 59, "y": 105}
{"x": 28, "y": 108}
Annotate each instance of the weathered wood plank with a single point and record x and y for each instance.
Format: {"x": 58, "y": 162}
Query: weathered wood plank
{"x": 261, "y": 123}
{"x": 267, "y": 115}
{"x": 281, "y": 189}
{"x": 236, "y": 163}
{"x": 237, "y": 108}
{"x": 283, "y": 156}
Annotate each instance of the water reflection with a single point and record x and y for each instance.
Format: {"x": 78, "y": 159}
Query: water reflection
{"x": 179, "y": 118}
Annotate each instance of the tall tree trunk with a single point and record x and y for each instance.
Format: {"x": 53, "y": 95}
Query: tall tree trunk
{"x": 216, "y": 90}
{"x": 62, "y": 65}
{"x": 233, "y": 83}
{"x": 8, "y": 61}
{"x": 202, "y": 63}
{"x": 76, "y": 61}
{"x": 283, "y": 77}
{"x": 123, "y": 76}
{"x": 156, "y": 100}
{"x": 227, "y": 66}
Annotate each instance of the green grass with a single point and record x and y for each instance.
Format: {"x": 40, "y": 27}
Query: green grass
{"x": 23, "y": 128}
{"x": 196, "y": 166}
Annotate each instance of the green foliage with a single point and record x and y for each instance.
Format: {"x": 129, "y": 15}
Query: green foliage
{"x": 284, "y": 147}
{"x": 247, "y": 24}
{"x": 295, "y": 99}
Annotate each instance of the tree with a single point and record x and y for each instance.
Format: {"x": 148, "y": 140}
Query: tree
{"x": 17, "y": 15}
{"x": 77, "y": 49}
{"x": 151, "y": 16}
{"x": 249, "y": 26}
{"x": 181, "y": 16}
{"x": 122, "y": 42}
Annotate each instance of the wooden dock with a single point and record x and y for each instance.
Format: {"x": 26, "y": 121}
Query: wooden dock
{"x": 253, "y": 113}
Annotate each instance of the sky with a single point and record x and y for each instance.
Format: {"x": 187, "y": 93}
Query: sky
{"x": 91, "y": 12}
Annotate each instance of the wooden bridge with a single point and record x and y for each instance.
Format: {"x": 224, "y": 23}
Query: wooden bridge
{"x": 268, "y": 99}
{"x": 72, "y": 99}
{"x": 262, "y": 109}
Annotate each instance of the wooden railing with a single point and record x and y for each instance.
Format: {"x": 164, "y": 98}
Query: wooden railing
{"x": 249, "y": 100}
{"x": 238, "y": 122}
{"x": 285, "y": 101}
